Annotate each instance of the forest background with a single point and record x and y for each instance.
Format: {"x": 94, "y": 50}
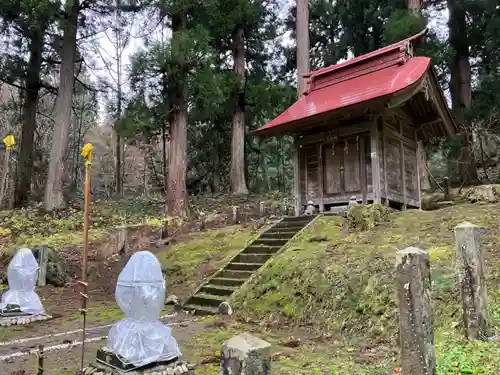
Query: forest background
{"x": 174, "y": 118}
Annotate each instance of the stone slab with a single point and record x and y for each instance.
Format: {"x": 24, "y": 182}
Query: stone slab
{"x": 8, "y": 321}
{"x": 175, "y": 368}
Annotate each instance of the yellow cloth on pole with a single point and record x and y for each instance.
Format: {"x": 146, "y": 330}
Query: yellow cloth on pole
{"x": 10, "y": 142}
{"x": 87, "y": 153}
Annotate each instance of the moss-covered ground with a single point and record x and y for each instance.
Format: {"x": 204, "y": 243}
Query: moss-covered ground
{"x": 343, "y": 283}
{"x": 187, "y": 263}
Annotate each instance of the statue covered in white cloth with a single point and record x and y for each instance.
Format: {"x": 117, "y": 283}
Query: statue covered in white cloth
{"x": 22, "y": 274}
{"x": 140, "y": 338}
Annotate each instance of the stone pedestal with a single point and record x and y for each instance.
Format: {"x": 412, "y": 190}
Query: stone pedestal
{"x": 246, "y": 355}
{"x": 107, "y": 363}
{"x": 12, "y": 319}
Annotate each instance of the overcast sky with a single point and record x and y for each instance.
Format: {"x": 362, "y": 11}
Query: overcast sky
{"x": 438, "y": 22}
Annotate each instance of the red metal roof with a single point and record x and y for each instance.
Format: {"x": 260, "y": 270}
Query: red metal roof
{"x": 379, "y": 74}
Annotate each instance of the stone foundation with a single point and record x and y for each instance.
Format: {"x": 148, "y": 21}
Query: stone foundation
{"x": 174, "y": 367}
{"x": 7, "y": 321}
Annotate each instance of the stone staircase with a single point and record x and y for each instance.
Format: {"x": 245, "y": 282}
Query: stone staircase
{"x": 220, "y": 287}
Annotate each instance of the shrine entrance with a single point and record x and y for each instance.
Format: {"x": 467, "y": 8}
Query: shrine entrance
{"x": 346, "y": 165}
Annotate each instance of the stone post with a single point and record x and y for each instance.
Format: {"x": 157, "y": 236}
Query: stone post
{"x": 202, "y": 220}
{"x": 245, "y": 355}
{"x": 236, "y": 215}
{"x": 470, "y": 268}
{"x": 416, "y": 329}
{"x": 262, "y": 209}
{"x": 43, "y": 258}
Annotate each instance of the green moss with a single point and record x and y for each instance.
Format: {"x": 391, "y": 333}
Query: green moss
{"x": 204, "y": 252}
{"x": 366, "y": 217}
{"x": 347, "y": 284}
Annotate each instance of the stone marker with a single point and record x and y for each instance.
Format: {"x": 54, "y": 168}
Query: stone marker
{"x": 470, "y": 268}
{"x": 43, "y": 259}
{"x": 262, "y": 209}
{"x": 416, "y": 329}
{"x": 310, "y": 209}
{"x": 245, "y": 355}
{"x": 202, "y": 220}
{"x": 236, "y": 215}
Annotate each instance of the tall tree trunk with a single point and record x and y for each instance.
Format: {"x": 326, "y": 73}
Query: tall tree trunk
{"x": 237, "y": 175}
{"x": 54, "y": 197}
{"x": 177, "y": 193}
{"x": 216, "y": 170}
{"x": 302, "y": 34}
{"x": 460, "y": 86}
{"x": 118, "y": 151}
{"x": 25, "y": 167}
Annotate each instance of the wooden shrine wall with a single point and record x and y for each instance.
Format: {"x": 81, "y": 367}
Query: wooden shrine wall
{"x": 399, "y": 172}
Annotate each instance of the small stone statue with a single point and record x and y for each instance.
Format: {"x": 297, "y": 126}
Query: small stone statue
{"x": 353, "y": 201}
{"x": 310, "y": 209}
{"x": 140, "y": 338}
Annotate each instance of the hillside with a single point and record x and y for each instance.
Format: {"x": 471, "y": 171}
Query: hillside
{"x": 344, "y": 283}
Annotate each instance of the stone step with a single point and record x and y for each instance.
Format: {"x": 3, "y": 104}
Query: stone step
{"x": 270, "y": 242}
{"x": 218, "y": 290}
{"x": 243, "y": 266}
{"x": 261, "y": 250}
{"x": 291, "y": 219}
{"x": 277, "y": 229}
{"x": 203, "y": 299}
{"x": 201, "y": 310}
{"x": 251, "y": 258}
{"x": 292, "y": 225}
{"x": 278, "y": 234}
{"x": 226, "y": 281}
{"x": 234, "y": 274}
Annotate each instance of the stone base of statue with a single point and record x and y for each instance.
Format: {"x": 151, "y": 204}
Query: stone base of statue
{"x": 108, "y": 363}
{"x": 12, "y": 315}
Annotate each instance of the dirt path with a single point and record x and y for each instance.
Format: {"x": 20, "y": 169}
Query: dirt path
{"x": 63, "y": 348}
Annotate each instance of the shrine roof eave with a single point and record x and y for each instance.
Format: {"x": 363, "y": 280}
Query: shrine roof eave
{"x": 370, "y": 93}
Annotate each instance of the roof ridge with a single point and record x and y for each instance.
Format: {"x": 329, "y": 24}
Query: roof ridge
{"x": 402, "y": 45}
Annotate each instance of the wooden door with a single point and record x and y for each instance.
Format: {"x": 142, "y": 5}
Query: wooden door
{"x": 345, "y": 168}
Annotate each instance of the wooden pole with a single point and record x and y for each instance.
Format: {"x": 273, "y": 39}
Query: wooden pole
{"x": 87, "y": 155}
{"x": 5, "y": 172}
{"x": 9, "y": 142}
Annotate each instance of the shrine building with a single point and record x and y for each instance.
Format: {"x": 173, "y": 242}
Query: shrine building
{"x": 361, "y": 126}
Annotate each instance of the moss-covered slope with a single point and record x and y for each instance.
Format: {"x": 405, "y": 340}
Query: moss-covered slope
{"x": 345, "y": 283}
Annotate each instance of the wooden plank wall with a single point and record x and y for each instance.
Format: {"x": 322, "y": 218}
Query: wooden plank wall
{"x": 309, "y": 172}
{"x": 400, "y": 162}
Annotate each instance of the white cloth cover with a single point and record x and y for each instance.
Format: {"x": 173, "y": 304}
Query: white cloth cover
{"x": 141, "y": 338}
{"x": 22, "y": 274}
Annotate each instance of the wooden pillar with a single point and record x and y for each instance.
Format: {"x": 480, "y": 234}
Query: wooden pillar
{"x": 419, "y": 168}
{"x": 384, "y": 155}
{"x": 321, "y": 185}
{"x": 374, "y": 136}
{"x": 296, "y": 176}
{"x": 403, "y": 172}
{"x": 362, "y": 158}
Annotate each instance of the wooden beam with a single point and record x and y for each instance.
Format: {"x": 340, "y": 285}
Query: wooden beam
{"x": 339, "y": 132}
{"x": 374, "y": 134}
{"x": 296, "y": 177}
{"x": 321, "y": 185}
